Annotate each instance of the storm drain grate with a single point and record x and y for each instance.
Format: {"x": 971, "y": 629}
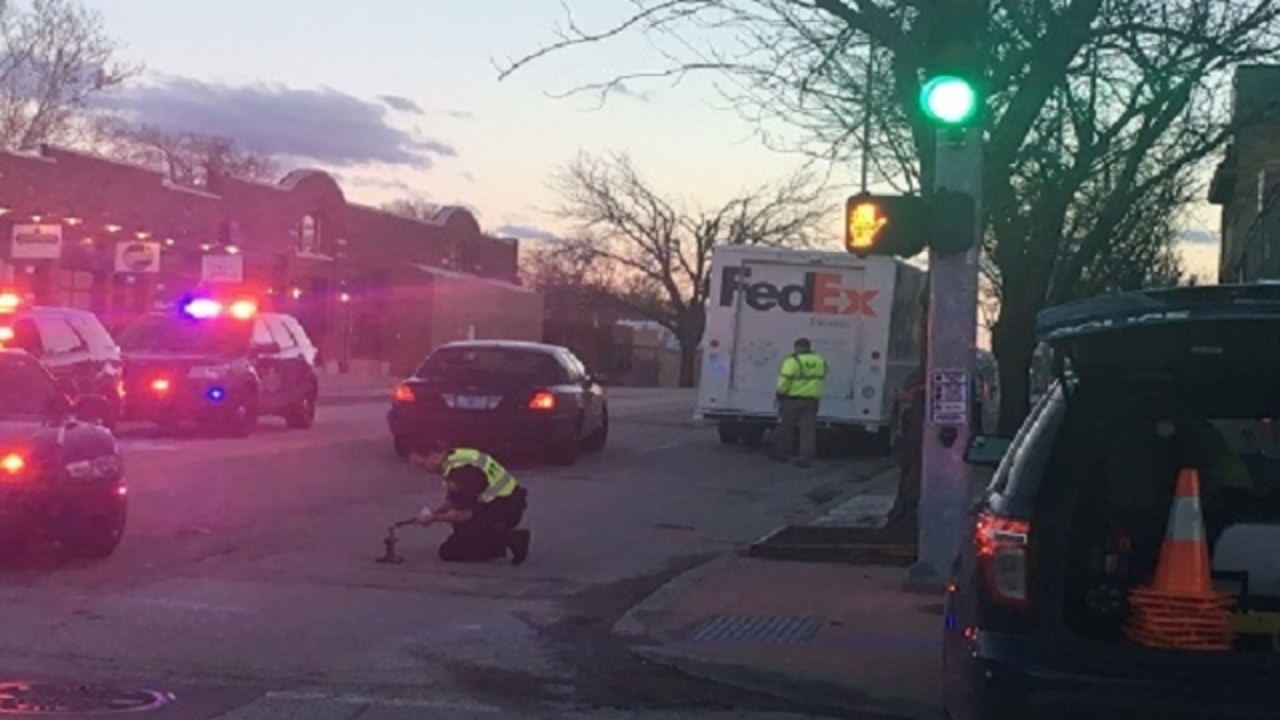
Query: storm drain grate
{"x": 757, "y": 629}
{"x": 37, "y": 698}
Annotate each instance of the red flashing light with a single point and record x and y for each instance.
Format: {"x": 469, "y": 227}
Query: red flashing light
{"x": 243, "y": 309}
{"x": 403, "y": 394}
{"x": 542, "y": 401}
{"x": 9, "y": 302}
{"x": 6, "y": 334}
{"x": 12, "y": 464}
{"x": 160, "y": 385}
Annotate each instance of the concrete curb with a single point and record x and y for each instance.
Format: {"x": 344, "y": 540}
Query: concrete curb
{"x": 815, "y": 694}
{"x": 633, "y": 623}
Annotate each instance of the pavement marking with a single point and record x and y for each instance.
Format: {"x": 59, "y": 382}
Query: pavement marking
{"x": 861, "y": 511}
{"x": 664, "y": 446}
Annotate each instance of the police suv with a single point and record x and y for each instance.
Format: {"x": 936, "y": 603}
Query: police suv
{"x": 219, "y": 363}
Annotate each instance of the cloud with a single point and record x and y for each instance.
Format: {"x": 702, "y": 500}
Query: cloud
{"x": 527, "y": 232}
{"x": 375, "y": 181}
{"x": 460, "y": 114}
{"x": 1199, "y": 237}
{"x": 402, "y": 104}
{"x": 323, "y": 125}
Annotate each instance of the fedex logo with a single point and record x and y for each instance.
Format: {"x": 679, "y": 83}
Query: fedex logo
{"x": 819, "y": 293}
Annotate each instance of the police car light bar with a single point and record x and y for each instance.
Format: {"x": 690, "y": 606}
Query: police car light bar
{"x": 202, "y": 308}
{"x": 9, "y": 302}
{"x": 243, "y": 309}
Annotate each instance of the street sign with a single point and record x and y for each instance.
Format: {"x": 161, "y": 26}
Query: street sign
{"x": 36, "y": 242}
{"x": 949, "y": 398}
{"x": 134, "y": 256}
{"x": 222, "y": 268}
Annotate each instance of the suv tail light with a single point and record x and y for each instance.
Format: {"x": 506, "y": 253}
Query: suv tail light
{"x": 1002, "y": 553}
{"x": 404, "y": 394}
{"x": 542, "y": 400}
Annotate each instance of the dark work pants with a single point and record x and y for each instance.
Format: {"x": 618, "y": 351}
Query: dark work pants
{"x": 796, "y": 416}
{"x": 484, "y": 536}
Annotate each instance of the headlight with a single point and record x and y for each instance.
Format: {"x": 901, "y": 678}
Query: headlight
{"x": 209, "y": 372}
{"x": 100, "y": 468}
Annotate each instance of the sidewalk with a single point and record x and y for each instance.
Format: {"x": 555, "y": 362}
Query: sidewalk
{"x": 345, "y": 389}
{"x": 845, "y": 637}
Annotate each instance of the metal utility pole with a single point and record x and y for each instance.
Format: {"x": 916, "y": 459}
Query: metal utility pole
{"x": 945, "y": 497}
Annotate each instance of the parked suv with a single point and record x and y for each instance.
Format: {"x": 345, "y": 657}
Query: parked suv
{"x": 71, "y": 343}
{"x": 221, "y": 363}
{"x": 1075, "y": 518}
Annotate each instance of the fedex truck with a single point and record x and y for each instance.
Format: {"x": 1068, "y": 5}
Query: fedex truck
{"x": 862, "y": 314}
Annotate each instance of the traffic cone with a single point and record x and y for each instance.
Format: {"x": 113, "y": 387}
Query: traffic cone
{"x": 1183, "y": 569}
{"x": 1180, "y": 609}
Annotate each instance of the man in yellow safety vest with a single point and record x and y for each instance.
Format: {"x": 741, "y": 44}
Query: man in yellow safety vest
{"x": 800, "y": 384}
{"x": 483, "y": 502}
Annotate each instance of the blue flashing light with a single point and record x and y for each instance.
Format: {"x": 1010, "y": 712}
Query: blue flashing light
{"x": 202, "y": 308}
{"x": 216, "y": 394}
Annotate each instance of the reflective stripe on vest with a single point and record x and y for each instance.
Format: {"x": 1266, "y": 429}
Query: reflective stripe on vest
{"x": 501, "y": 482}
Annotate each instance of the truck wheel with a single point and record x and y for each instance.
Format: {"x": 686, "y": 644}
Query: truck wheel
{"x": 241, "y": 418}
{"x": 753, "y": 435}
{"x": 729, "y": 432}
{"x": 96, "y": 539}
{"x": 303, "y": 414}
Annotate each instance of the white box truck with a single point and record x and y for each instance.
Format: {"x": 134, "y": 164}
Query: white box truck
{"x": 862, "y": 314}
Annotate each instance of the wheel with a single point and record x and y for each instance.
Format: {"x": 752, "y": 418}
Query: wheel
{"x": 402, "y": 445}
{"x": 241, "y": 418}
{"x": 566, "y": 452}
{"x": 753, "y": 435}
{"x": 303, "y": 414}
{"x": 597, "y": 441}
{"x": 97, "y": 538}
{"x": 729, "y": 432}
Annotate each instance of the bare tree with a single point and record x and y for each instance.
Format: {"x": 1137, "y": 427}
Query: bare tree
{"x": 412, "y": 208}
{"x": 54, "y": 58}
{"x": 1100, "y": 115}
{"x": 655, "y": 253}
{"x": 187, "y": 158}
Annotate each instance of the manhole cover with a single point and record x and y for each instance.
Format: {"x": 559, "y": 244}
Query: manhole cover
{"x": 758, "y": 629}
{"x": 34, "y": 698}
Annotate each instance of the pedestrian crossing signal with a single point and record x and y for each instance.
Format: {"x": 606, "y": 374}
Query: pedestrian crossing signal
{"x": 884, "y": 225}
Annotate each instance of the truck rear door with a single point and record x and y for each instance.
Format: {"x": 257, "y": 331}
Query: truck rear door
{"x": 778, "y": 302}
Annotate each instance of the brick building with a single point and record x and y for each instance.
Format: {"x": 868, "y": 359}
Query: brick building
{"x": 370, "y": 286}
{"x": 1246, "y": 182}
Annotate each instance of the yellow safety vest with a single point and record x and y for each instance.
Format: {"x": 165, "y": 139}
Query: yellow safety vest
{"x": 501, "y": 482}
{"x": 803, "y": 375}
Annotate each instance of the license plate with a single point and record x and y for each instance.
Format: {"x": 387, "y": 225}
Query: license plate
{"x": 473, "y": 402}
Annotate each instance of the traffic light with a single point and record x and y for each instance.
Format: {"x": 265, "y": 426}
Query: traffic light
{"x": 953, "y": 226}
{"x": 955, "y": 61}
{"x": 884, "y": 225}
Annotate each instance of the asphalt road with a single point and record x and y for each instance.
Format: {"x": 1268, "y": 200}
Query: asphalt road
{"x": 246, "y": 586}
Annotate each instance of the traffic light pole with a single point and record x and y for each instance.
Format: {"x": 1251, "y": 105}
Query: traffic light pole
{"x": 945, "y": 496}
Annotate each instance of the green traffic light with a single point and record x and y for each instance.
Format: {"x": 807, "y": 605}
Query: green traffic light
{"x": 949, "y": 100}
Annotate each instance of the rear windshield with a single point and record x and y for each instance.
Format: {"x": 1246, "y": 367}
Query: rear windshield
{"x": 223, "y": 337}
{"x": 493, "y": 364}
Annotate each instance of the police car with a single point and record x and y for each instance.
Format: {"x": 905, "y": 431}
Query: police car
{"x": 219, "y": 362}
{"x": 61, "y": 474}
{"x": 71, "y": 343}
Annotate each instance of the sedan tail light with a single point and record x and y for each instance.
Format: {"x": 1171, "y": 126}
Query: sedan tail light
{"x": 542, "y": 400}
{"x": 403, "y": 394}
{"x": 1002, "y": 553}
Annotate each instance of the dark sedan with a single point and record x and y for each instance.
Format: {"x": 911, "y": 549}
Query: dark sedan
{"x": 61, "y": 475}
{"x": 497, "y": 395}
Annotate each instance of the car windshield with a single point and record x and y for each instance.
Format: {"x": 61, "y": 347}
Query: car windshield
{"x": 492, "y": 364}
{"x": 174, "y": 334}
{"x": 25, "y": 388}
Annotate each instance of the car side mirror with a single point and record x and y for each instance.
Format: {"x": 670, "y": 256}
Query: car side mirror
{"x": 987, "y": 450}
{"x": 91, "y": 409}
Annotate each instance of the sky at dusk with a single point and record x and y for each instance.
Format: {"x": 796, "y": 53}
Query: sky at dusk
{"x": 401, "y": 99}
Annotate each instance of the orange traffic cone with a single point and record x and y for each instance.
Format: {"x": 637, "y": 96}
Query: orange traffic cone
{"x": 1183, "y": 569}
{"x": 1181, "y": 609}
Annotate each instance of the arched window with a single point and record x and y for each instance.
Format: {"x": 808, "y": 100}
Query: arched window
{"x": 309, "y": 236}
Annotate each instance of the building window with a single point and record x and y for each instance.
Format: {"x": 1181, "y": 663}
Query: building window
{"x": 309, "y": 236}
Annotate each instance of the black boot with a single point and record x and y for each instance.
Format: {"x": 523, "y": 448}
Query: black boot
{"x": 518, "y": 543}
